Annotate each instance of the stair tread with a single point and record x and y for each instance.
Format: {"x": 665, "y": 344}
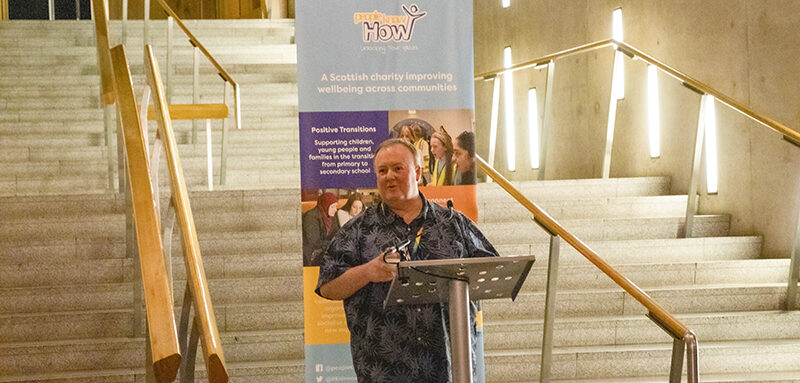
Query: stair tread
{"x": 705, "y": 346}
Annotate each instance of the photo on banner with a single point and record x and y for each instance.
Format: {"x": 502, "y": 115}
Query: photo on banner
{"x": 369, "y": 71}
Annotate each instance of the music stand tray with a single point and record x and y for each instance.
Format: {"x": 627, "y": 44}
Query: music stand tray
{"x": 458, "y": 281}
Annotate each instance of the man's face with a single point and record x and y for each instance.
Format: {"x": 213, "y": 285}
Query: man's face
{"x": 437, "y": 148}
{"x": 397, "y": 174}
{"x": 461, "y": 158}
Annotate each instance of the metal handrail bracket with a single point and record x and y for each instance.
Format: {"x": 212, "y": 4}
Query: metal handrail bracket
{"x": 550, "y": 309}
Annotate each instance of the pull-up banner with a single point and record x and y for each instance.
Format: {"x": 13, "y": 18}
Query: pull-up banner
{"x": 368, "y": 71}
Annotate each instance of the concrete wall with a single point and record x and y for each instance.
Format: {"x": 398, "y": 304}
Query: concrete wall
{"x": 746, "y": 49}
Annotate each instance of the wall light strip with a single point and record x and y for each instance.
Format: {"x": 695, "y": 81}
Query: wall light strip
{"x": 493, "y": 121}
{"x": 653, "y": 113}
{"x": 508, "y": 102}
{"x": 616, "y": 24}
{"x": 533, "y": 128}
{"x": 710, "y": 124}
{"x": 619, "y": 63}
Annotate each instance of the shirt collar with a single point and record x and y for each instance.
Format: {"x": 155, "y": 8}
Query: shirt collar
{"x": 387, "y": 215}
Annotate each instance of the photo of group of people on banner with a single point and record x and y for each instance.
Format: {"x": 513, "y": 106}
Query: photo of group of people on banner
{"x": 446, "y": 160}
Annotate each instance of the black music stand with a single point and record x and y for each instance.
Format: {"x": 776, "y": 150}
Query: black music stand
{"x": 458, "y": 281}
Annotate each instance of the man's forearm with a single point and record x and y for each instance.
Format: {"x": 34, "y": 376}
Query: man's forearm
{"x": 345, "y": 285}
{"x": 357, "y": 277}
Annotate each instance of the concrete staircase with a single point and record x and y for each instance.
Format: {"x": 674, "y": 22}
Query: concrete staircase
{"x": 66, "y": 293}
{"x": 51, "y": 123}
{"x": 66, "y": 288}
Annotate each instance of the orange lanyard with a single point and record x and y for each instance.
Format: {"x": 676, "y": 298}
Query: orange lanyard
{"x": 416, "y": 240}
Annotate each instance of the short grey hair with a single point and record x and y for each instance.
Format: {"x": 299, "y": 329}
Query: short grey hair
{"x": 399, "y": 141}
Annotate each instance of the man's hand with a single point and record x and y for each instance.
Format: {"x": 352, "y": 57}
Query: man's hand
{"x": 377, "y": 270}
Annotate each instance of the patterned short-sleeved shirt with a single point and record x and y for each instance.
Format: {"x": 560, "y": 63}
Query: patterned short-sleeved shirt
{"x": 400, "y": 343}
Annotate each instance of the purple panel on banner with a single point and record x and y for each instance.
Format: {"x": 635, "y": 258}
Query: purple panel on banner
{"x": 337, "y": 148}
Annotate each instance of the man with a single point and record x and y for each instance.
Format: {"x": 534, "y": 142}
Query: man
{"x": 399, "y": 343}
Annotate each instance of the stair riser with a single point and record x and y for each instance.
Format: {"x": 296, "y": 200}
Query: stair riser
{"x": 613, "y": 230}
{"x": 638, "y": 330}
{"x": 608, "y": 303}
{"x": 76, "y": 325}
{"x": 646, "y": 251}
{"x": 131, "y": 355}
{"x": 637, "y": 363}
{"x": 580, "y": 189}
{"x": 120, "y": 296}
{"x": 644, "y": 207}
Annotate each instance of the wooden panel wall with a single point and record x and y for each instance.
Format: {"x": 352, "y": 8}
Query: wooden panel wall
{"x": 186, "y": 9}
{"x": 208, "y": 9}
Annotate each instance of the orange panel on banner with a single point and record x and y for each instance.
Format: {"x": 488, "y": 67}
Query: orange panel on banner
{"x": 463, "y": 198}
{"x": 324, "y": 319}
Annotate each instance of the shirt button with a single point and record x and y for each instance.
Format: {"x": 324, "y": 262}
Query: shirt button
{"x": 419, "y": 309}
{"x": 419, "y": 339}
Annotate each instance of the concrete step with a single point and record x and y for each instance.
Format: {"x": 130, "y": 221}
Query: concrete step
{"x": 114, "y": 353}
{"x": 88, "y": 205}
{"x": 287, "y": 221}
{"x": 244, "y": 74}
{"x": 60, "y": 272}
{"x": 95, "y": 118}
{"x": 648, "y": 206}
{"x": 609, "y": 229}
{"x": 193, "y": 166}
{"x": 95, "y": 157}
{"x": 87, "y": 324}
{"x": 84, "y": 185}
{"x": 647, "y": 250}
{"x": 749, "y": 377}
{"x": 646, "y": 275}
{"x": 180, "y": 80}
{"x": 286, "y": 103}
{"x": 583, "y": 188}
{"x": 85, "y": 55}
{"x": 619, "y": 362}
{"x": 630, "y": 330}
{"x": 120, "y": 295}
{"x": 570, "y": 303}
{"x": 261, "y": 371}
{"x": 615, "y": 302}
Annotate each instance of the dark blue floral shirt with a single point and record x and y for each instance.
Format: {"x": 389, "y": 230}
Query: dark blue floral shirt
{"x": 400, "y": 343}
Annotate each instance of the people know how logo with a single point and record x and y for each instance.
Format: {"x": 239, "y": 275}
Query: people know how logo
{"x": 380, "y": 27}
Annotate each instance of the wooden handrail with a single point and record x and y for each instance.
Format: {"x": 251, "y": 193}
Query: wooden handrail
{"x": 192, "y": 112}
{"x": 195, "y": 273}
{"x": 546, "y": 59}
{"x": 790, "y": 134}
{"x": 157, "y": 288}
{"x": 222, "y": 72}
{"x": 103, "y": 55}
{"x": 667, "y": 319}
{"x": 702, "y": 87}
{"x": 3, "y": 9}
